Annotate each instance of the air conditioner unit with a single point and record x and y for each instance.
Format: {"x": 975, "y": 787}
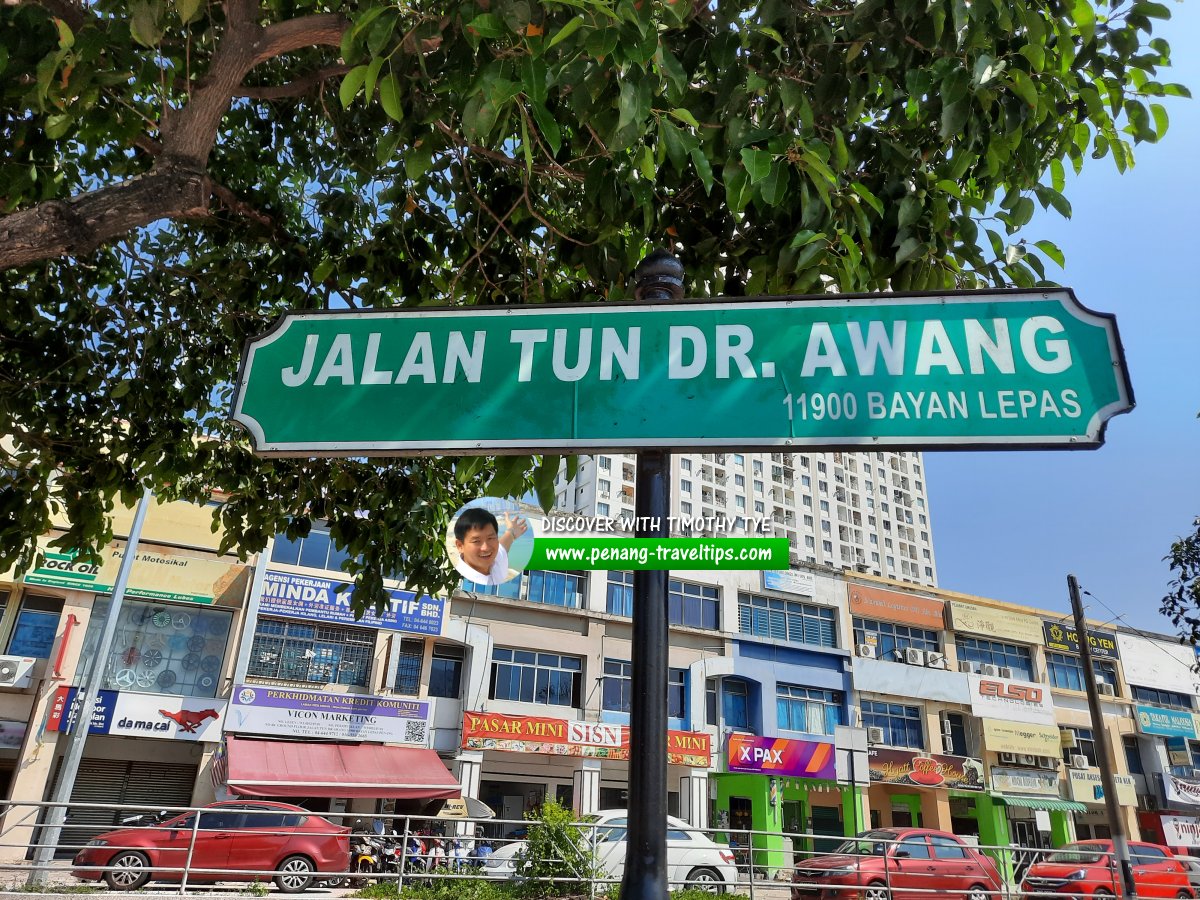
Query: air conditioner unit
{"x": 1047, "y": 762}
{"x": 1008, "y": 759}
{"x": 1107, "y": 689}
{"x": 1006, "y": 672}
{"x": 1026, "y": 759}
{"x": 1079, "y": 761}
{"x": 874, "y": 735}
{"x": 947, "y": 744}
{"x": 966, "y": 666}
{"x": 935, "y": 660}
{"x": 16, "y": 671}
{"x": 947, "y": 725}
{"x": 866, "y": 651}
{"x": 990, "y": 670}
{"x": 914, "y": 657}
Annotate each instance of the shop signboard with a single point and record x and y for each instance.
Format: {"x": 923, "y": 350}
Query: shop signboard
{"x": 568, "y": 737}
{"x": 1086, "y": 787}
{"x": 1178, "y": 790}
{"x": 781, "y": 756}
{"x": 1065, "y": 639}
{"x": 1181, "y": 831}
{"x": 1166, "y": 665}
{"x": 319, "y": 600}
{"x": 1175, "y": 723}
{"x": 1012, "y": 368}
{"x": 876, "y": 676}
{"x": 261, "y": 709}
{"x": 910, "y": 767}
{"x": 1040, "y": 782}
{"x": 894, "y": 606}
{"x": 1011, "y": 700}
{"x": 790, "y": 582}
{"x": 160, "y": 574}
{"x": 132, "y": 714}
{"x": 973, "y": 620}
{"x": 1179, "y": 751}
{"x": 1027, "y": 738}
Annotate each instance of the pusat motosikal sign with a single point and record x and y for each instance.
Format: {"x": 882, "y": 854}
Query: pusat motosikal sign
{"x": 1007, "y": 369}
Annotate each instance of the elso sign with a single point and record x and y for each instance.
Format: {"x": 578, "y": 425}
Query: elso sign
{"x": 1011, "y": 691}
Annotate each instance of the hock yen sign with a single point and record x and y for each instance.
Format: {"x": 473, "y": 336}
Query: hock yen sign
{"x": 1009, "y": 369}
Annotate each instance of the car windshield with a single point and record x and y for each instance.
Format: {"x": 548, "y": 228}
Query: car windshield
{"x": 1087, "y": 854}
{"x": 869, "y": 843}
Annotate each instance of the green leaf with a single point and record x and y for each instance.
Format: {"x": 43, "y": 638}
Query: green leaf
{"x": 647, "y": 165}
{"x": 551, "y": 133}
{"x": 806, "y": 236}
{"x": 703, "y": 169}
{"x": 910, "y": 210}
{"x": 1024, "y": 88}
{"x": 122, "y": 388}
{"x": 1022, "y": 212}
{"x": 487, "y": 25}
{"x": 602, "y": 43}
{"x": 774, "y": 186}
{"x": 66, "y": 37}
{"x": 187, "y": 9}
{"x": 954, "y": 117}
{"x": 58, "y": 125}
{"x": 565, "y": 32}
{"x": 1085, "y": 19}
{"x": 757, "y": 163}
{"x": 871, "y": 200}
{"x": 1058, "y": 178}
{"x": 1159, "y": 112}
{"x": 389, "y": 98}
{"x": 373, "y": 68}
{"x": 352, "y": 83}
{"x": 908, "y": 249}
{"x": 686, "y": 117}
{"x": 1051, "y": 250}
{"x": 144, "y": 23}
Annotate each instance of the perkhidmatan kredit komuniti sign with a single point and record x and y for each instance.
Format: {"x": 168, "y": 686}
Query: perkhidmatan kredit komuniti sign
{"x": 1017, "y": 368}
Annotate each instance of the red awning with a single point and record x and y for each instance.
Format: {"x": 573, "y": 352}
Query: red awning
{"x": 307, "y": 769}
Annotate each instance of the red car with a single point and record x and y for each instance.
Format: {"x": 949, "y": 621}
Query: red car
{"x": 1087, "y": 869}
{"x": 900, "y": 864}
{"x": 233, "y": 841}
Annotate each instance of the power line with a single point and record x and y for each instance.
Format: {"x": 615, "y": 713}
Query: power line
{"x": 1154, "y": 642}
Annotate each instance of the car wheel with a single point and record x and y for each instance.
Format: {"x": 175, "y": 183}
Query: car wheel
{"x": 706, "y": 879}
{"x": 130, "y": 870}
{"x": 296, "y": 875}
{"x": 877, "y": 891}
{"x": 978, "y": 892}
{"x": 1184, "y": 894}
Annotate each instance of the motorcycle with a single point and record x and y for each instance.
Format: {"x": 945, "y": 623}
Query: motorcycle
{"x": 144, "y": 820}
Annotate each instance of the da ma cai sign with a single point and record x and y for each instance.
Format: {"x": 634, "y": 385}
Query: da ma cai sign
{"x": 1018, "y": 368}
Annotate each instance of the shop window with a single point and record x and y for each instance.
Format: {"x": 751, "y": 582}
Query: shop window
{"x": 309, "y": 652}
{"x": 735, "y": 703}
{"x": 1188, "y": 768}
{"x": 901, "y": 724}
{"x": 957, "y": 737}
{"x": 36, "y": 625}
{"x": 445, "y": 672}
{"x": 1066, "y": 672}
{"x": 694, "y": 605}
{"x": 161, "y": 648}
{"x": 528, "y": 677}
{"x": 619, "y": 601}
{"x": 1133, "y": 754}
{"x": 510, "y": 589}
{"x": 1159, "y": 697}
{"x": 810, "y": 710}
{"x": 409, "y": 661}
{"x": 996, "y": 653}
{"x": 617, "y": 694}
{"x": 787, "y": 620}
{"x": 1085, "y": 745}
{"x": 315, "y": 551}
{"x": 613, "y": 798}
{"x": 891, "y": 640}
{"x": 711, "y": 716}
{"x": 557, "y": 588}
{"x": 677, "y": 693}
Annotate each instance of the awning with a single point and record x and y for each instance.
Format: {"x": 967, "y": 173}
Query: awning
{"x": 307, "y": 769}
{"x": 1050, "y": 803}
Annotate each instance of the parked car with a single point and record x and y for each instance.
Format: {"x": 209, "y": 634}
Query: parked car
{"x": 692, "y": 857}
{"x": 236, "y": 839}
{"x": 1088, "y": 868}
{"x": 901, "y": 864}
{"x": 1192, "y": 865}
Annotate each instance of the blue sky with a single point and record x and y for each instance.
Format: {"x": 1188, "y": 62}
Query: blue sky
{"x": 1012, "y": 525}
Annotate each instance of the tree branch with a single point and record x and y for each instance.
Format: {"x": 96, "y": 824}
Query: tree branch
{"x": 297, "y": 88}
{"x": 323, "y": 30}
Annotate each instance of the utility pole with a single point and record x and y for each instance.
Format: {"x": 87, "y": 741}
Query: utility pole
{"x": 1116, "y": 823}
{"x": 55, "y": 815}
{"x": 658, "y": 277}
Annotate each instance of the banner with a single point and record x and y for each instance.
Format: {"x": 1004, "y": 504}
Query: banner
{"x": 1086, "y": 787}
{"x": 1180, "y": 831}
{"x": 564, "y": 737}
{"x": 989, "y": 622}
{"x": 782, "y": 756}
{"x": 1019, "y": 737}
{"x": 1065, "y": 639}
{"x": 790, "y": 581}
{"x": 893, "y": 606}
{"x": 1180, "y": 791}
{"x": 960, "y": 773}
{"x": 258, "y": 709}
{"x": 1041, "y": 782}
{"x": 317, "y": 599}
{"x": 1168, "y": 722}
{"x": 1011, "y": 700}
{"x": 130, "y": 714}
{"x": 1166, "y": 665}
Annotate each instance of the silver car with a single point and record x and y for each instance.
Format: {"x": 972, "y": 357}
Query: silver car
{"x": 692, "y": 857}
{"x": 1191, "y": 865}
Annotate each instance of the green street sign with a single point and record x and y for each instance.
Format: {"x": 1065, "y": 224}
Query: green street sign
{"x": 971, "y": 369}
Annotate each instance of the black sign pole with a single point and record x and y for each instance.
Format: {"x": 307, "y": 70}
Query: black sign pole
{"x": 658, "y": 277}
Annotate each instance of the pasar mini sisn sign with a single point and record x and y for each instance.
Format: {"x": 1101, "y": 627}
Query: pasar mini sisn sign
{"x": 1014, "y": 368}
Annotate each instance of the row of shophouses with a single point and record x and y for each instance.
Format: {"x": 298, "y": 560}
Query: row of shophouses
{"x": 806, "y": 701}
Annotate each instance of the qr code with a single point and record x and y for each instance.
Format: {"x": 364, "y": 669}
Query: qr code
{"x": 416, "y": 732}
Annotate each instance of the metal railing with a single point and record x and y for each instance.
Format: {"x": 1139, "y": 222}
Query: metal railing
{"x": 192, "y": 847}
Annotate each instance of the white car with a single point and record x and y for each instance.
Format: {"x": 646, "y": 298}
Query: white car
{"x": 692, "y": 857}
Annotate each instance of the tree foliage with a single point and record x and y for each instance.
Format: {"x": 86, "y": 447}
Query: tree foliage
{"x": 1182, "y": 603}
{"x": 175, "y": 174}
